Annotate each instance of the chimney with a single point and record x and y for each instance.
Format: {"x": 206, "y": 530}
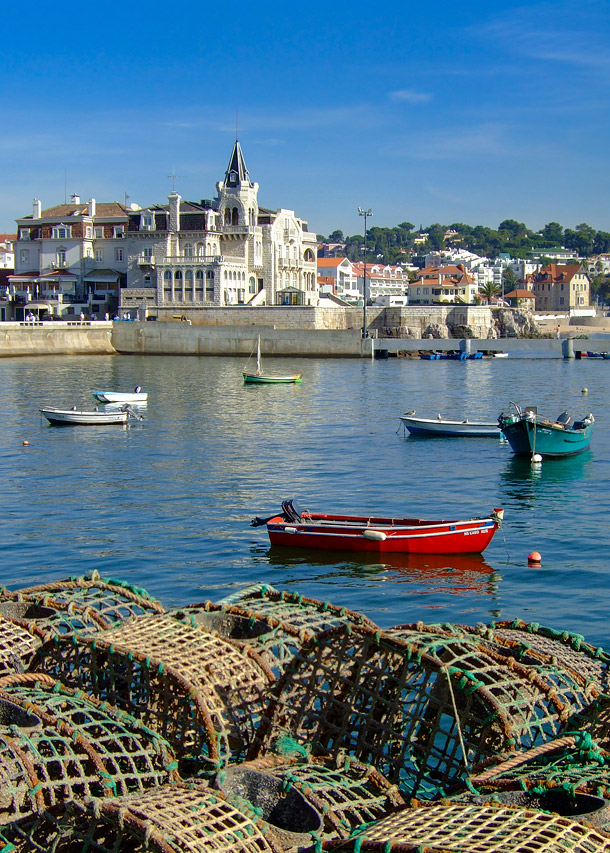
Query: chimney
{"x": 92, "y": 207}
{"x": 75, "y": 199}
{"x": 174, "y": 211}
{"x": 36, "y": 209}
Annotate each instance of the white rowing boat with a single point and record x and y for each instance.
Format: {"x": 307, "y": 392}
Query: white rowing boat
{"x": 76, "y": 417}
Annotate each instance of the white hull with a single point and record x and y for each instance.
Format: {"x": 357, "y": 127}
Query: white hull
{"x": 120, "y": 397}
{"x": 76, "y": 417}
{"x": 430, "y": 426}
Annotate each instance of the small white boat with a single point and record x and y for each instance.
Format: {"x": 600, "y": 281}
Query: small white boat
{"x": 76, "y": 417}
{"x": 135, "y": 396}
{"x": 441, "y": 426}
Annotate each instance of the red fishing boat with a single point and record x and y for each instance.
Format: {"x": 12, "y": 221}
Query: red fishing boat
{"x": 379, "y": 534}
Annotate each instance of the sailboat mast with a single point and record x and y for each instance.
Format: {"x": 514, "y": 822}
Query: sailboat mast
{"x": 258, "y": 356}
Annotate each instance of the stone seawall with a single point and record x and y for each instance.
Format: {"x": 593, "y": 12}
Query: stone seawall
{"x": 56, "y": 338}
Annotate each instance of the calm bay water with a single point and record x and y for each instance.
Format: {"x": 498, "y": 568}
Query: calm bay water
{"x": 166, "y": 503}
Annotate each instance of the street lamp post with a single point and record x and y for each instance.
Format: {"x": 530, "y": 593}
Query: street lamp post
{"x": 364, "y": 213}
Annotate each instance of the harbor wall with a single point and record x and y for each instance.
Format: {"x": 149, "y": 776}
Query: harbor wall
{"x": 183, "y": 338}
{"x": 56, "y": 338}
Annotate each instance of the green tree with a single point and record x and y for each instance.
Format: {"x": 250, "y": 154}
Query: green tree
{"x": 489, "y": 290}
{"x": 553, "y": 232}
{"x": 509, "y": 279}
{"x": 336, "y": 237}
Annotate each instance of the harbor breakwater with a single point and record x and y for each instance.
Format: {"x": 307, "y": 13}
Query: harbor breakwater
{"x": 184, "y": 338}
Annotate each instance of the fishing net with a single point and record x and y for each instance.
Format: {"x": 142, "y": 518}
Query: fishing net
{"x": 418, "y": 707}
{"x": 176, "y": 818}
{"x": 113, "y": 600}
{"x": 202, "y": 693}
{"x": 346, "y": 792}
{"x": 57, "y": 744}
{"x": 475, "y": 829}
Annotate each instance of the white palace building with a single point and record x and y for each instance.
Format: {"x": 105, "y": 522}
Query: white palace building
{"x": 228, "y": 251}
{"x": 101, "y": 257}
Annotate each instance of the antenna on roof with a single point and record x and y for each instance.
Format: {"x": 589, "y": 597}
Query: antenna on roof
{"x": 173, "y": 176}
{"x": 126, "y": 197}
{"x": 65, "y": 186}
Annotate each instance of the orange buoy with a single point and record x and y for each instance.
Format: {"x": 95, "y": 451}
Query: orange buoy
{"x": 534, "y": 558}
{"x": 26, "y": 443}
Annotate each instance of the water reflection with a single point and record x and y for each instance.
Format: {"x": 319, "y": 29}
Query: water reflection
{"x": 453, "y": 574}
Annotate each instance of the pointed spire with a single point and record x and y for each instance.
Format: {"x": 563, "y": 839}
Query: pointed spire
{"x": 237, "y": 172}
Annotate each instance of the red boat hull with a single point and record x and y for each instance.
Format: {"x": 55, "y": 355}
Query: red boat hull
{"x": 383, "y": 535}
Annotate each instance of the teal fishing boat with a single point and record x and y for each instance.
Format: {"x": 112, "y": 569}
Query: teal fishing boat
{"x": 529, "y": 434}
{"x": 261, "y": 378}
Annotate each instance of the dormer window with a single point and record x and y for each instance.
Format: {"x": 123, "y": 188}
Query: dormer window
{"x": 24, "y": 234}
{"x": 233, "y": 177}
{"x": 118, "y": 231}
{"x": 61, "y": 232}
{"x": 147, "y": 222}
{"x": 98, "y": 231}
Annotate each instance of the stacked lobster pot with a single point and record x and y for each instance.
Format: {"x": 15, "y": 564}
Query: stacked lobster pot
{"x": 270, "y": 721}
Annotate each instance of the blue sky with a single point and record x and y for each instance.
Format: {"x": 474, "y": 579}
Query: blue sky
{"x": 443, "y": 112}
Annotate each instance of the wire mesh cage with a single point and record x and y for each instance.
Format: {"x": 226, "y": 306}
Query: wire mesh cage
{"x": 176, "y": 818}
{"x": 416, "y": 713}
{"x": 475, "y": 829}
{"x": 202, "y": 693}
{"x": 346, "y": 792}
{"x": 113, "y": 600}
{"x": 46, "y": 617}
{"x": 57, "y": 744}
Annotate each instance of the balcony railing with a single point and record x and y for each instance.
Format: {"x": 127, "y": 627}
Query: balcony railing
{"x": 196, "y": 260}
{"x": 146, "y": 260}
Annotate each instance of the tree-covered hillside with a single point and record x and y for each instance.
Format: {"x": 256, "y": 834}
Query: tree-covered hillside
{"x": 390, "y": 245}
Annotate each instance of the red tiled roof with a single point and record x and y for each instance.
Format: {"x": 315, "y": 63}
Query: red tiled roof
{"x": 520, "y": 294}
{"x": 330, "y": 262}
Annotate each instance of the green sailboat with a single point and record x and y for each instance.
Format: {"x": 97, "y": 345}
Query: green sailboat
{"x": 261, "y": 378}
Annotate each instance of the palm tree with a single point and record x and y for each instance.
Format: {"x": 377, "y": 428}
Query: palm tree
{"x": 489, "y": 290}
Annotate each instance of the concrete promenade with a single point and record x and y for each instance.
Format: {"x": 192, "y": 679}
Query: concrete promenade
{"x": 178, "y": 338}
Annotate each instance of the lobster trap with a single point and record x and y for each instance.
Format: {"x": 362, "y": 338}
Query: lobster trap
{"x": 200, "y": 692}
{"x": 346, "y": 792}
{"x": 112, "y": 600}
{"x": 420, "y": 709}
{"x": 177, "y": 818}
{"x": 57, "y": 745}
{"x": 475, "y": 829}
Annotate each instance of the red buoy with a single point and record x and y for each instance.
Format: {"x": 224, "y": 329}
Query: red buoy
{"x": 534, "y": 558}
{"x": 26, "y": 443}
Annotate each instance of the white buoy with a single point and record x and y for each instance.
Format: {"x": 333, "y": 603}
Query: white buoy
{"x": 536, "y": 459}
{"x": 585, "y": 390}
{"x": 375, "y": 535}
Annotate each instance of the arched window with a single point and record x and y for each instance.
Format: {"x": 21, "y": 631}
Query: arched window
{"x": 227, "y": 216}
{"x": 60, "y": 256}
{"x": 178, "y": 275}
{"x": 235, "y": 217}
{"x": 252, "y": 284}
{"x": 200, "y": 250}
{"x": 308, "y": 255}
{"x": 188, "y": 250}
{"x": 167, "y": 276}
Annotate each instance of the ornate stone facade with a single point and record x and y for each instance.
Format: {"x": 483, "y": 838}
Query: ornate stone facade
{"x": 227, "y": 251}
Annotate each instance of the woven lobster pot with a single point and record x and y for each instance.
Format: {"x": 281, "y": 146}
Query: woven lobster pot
{"x": 202, "y": 693}
{"x": 58, "y": 745}
{"x": 346, "y": 792}
{"x": 18, "y": 643}
{"x": 170, "y": 819}
{"x": 274, "y": 640}
{"x": 563, "y": 689}
{"x": 475, "y": 829}
{"x": 531, "y": 643}
{"x": 569, "y": 775}
{"x": 45, "y": 617}
{"x": 594, "y": 720}
{"x": 113, "y": 600}
{"x": 415, "y": 716}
